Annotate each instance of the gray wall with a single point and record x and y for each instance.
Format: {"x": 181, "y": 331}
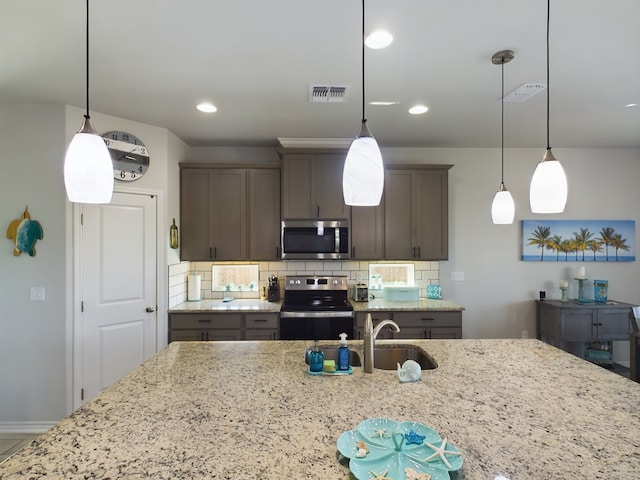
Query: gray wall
{"x": 33, "y": 341}
{"x": 36, "y": 338}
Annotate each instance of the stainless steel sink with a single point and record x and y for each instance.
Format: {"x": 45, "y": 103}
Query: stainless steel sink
{"x": 386, "y": 356}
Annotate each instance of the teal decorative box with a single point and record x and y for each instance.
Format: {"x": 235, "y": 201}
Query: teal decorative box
{"x": 434, "y": 292}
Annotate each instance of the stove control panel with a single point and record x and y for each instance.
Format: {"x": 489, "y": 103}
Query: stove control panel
{"x": 298, "y": 282}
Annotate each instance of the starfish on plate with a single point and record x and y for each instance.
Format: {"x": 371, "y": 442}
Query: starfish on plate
{"x": 381, "y": 433}
{"x": 380, "y": 476}
{"x": 414, "y": 437}
{"x": 440, "y": 452}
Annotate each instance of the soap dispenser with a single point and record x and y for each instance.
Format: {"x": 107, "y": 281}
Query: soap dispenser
{"x": 316, "y": 359}
{"x": 343, "y": 353}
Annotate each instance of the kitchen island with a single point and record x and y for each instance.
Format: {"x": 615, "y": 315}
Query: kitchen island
{"x": 249, "y": 410}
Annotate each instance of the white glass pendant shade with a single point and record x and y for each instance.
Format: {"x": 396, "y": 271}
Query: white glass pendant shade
{"x": 363, "y": 174}
{"x": 88, "y": 171}
{"x": 549, "y": 189}
{"x": 503, "y": 208}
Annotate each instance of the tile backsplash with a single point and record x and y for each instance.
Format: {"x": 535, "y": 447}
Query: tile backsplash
{"x": 425, "y": 273}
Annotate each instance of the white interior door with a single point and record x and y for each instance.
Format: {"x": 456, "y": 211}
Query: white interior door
{"x": 118, "y": 270}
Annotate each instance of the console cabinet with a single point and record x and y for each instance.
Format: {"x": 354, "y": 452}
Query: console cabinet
{"x": 415, "y": 324}
{"x": 222, "y": 326}
{"x": 560, "y": 323}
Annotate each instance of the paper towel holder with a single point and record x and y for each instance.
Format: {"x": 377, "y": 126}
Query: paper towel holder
{"x": 194, "y": 293}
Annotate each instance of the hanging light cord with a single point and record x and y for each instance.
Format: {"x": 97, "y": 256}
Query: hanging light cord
{"x": 548, "y": 11}
{"x": 363, "y": 96}
{"x": 87, "y": 63}
{"x": 502, "y": 125}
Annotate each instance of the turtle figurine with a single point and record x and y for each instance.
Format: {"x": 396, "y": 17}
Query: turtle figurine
{"x": 25, "y": 233}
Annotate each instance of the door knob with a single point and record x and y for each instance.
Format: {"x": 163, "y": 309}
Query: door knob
{"x": 151, "y": 309}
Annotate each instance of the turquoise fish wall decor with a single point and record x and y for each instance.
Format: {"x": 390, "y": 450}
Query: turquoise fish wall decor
{"x": 25, "y": 233}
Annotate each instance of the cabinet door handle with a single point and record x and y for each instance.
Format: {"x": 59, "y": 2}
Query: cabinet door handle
{"x": 215, "y": 252}
{"x": 318, "y": 211}
{"x": 414, "y": 252}
{"x": 201, "y": 335}
{"x": 277, "y": 253}
{"x": 204, "y": 320}
{"x": 419, "y": 252}
{"x": 210, "y": 252}
{"x": 353, "y": 252}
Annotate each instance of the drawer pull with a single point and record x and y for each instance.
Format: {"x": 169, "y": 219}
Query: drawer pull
{"x": 202, "y": 320}
{"x": 428, "y": 319}
{"x": 260, "y": 320}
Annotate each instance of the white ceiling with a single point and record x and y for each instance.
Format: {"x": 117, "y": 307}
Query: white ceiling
{"x": 153, "y": 60}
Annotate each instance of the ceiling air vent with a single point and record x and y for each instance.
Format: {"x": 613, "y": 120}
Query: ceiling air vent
{"x": 327, "y": 93}
{"x": 524, "y": 92}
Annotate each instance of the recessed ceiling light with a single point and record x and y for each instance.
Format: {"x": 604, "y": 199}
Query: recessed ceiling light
{"x": 378, "y": 39}
{"x": 418, "y": 109}
{"x": 631, "y": 105}
{"x": 384, "y": 104}
{"x": 207, "y": 107}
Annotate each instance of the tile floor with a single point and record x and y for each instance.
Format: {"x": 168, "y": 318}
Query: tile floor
{"x": 10, "y": 443}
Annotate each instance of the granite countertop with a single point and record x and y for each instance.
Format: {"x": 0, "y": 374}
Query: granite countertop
{"x": 247, "y": 410}
{"x": 418, "y": 305}
{"x": 236, "y": 305}
{"x": 258, "y": 305}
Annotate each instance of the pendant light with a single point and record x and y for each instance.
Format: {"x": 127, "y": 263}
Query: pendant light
{"x": 548, "y": 190}
{"x": 88, "y": 171}
{"x": 502, "y": 208}
{"x": 363, "y": 174}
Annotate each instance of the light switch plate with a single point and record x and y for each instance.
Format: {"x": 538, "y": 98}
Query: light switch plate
{"x": 36, "y": 294}
{"x": 457, "y": 276}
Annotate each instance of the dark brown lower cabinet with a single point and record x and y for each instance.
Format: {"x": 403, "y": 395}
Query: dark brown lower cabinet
{"x": 415, "y": 324}
{"x": 222, "y": 326}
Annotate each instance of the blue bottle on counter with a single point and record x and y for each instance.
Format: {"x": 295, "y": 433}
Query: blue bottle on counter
{"x": 316, "y": 359}
{"x": 343, "y": 353}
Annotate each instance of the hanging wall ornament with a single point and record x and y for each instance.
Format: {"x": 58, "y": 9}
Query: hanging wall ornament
{"x": 173, "y": 235}
{"x": 25, "y": 233}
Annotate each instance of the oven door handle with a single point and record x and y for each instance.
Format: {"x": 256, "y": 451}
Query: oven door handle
{"x": 318, "y": 314}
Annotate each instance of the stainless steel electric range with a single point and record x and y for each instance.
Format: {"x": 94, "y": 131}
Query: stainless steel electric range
{"x": 315, "y": 308}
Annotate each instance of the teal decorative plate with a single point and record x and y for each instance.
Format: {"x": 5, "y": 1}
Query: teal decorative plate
{"x": 396, "y": 449}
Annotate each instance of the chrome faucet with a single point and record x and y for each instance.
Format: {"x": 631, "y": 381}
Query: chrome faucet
{"x": 370, "y": 335}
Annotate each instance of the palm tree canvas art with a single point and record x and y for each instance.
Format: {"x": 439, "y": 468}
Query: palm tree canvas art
{"x": 578, "y": 240}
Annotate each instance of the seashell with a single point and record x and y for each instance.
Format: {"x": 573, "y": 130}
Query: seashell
{"x": 410, "y": 371}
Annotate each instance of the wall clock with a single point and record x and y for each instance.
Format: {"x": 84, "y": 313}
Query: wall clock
{"x": 130, "y": 157}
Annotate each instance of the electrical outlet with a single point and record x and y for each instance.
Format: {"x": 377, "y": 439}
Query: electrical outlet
{"x": 36, "y": 294}
{"x": 457, "y": 276}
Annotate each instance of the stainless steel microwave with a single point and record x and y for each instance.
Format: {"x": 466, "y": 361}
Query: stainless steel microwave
{"x": 315, "y": 239}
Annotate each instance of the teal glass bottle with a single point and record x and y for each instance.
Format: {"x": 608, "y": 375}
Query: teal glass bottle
{"x": 316, "y": 359}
